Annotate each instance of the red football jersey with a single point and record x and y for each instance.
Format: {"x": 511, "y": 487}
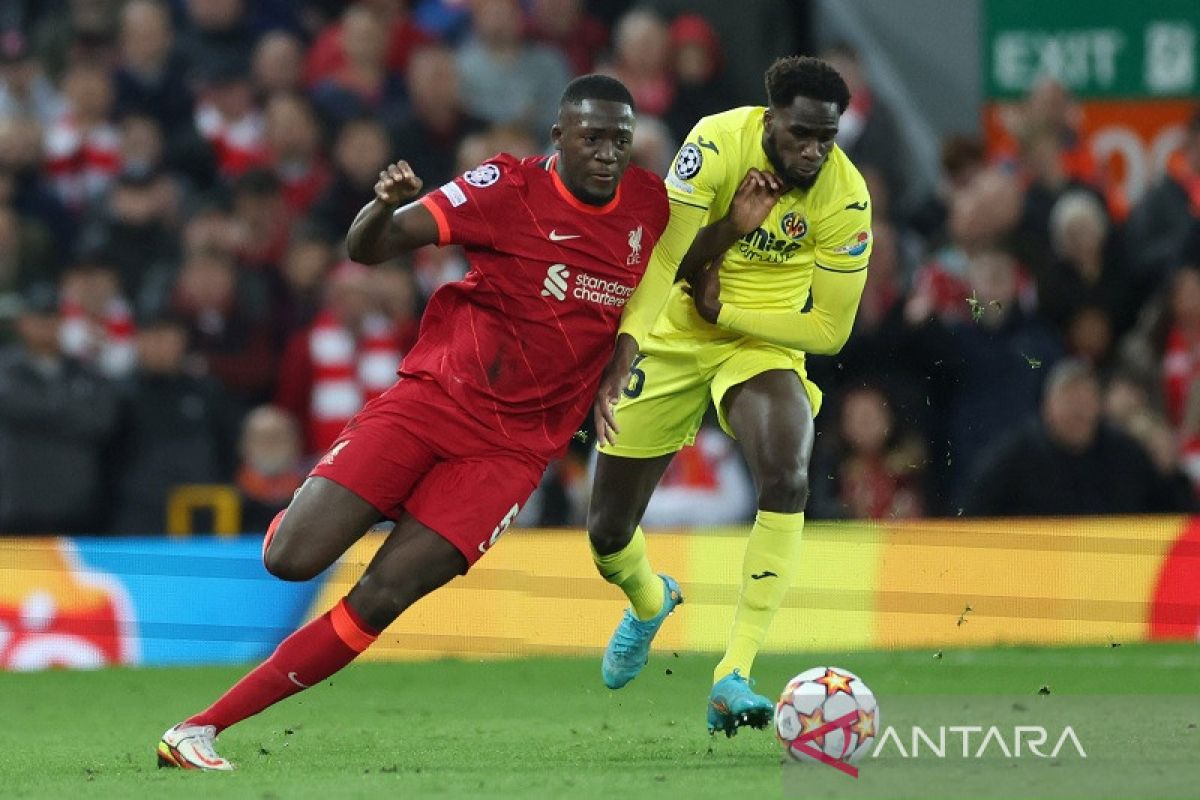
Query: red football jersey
{"x": 522, "y": 340}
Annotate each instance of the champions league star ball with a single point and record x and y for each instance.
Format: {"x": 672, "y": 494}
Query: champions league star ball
{"x": 827, "y": 714}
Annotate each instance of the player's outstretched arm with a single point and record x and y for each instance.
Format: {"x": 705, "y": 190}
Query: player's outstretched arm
{"x": 383, "y": 228}
{"x": 823, "y": 330}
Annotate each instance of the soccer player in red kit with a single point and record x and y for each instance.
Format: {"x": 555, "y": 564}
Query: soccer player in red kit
{"x": 505, "y": 370}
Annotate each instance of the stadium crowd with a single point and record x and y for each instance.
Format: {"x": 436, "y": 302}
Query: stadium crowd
{"x": 176, "y": 180}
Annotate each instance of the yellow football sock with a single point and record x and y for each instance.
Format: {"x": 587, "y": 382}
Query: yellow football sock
{"x": 772, "y": 556}
{"x": 629, "y": 569}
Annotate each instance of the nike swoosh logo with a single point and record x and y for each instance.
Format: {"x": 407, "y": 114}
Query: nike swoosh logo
{"x": 292, "y": 677}
{"x": 861, "y": 205}
{"x": 700, "y": 140}
{"x": 555, "y": 236}
{"x": 764, "y": 574}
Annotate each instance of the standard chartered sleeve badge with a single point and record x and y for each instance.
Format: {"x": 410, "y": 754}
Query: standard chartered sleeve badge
{"x": 688, "y": 162}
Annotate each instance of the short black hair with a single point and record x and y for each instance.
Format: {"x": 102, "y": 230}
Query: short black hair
{"x": 805, "y": 76}
{"x": 596, "y": 87}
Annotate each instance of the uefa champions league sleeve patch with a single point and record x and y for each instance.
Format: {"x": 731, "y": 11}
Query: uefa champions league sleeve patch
{"x": 482, "y": 176}
{"x": 688, "y": 162}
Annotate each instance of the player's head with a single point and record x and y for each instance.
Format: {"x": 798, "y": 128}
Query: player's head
{"x": 805, "y": 98}
{"x": 594, "y": 136}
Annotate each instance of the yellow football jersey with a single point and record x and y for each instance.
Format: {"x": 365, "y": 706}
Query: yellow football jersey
{"x": 827, "y": 226}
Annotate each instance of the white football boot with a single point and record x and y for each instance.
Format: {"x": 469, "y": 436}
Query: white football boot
{"x": 191, "y": 747}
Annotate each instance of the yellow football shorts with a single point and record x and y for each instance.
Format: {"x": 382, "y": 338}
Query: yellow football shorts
{"x": 675, "y": 376}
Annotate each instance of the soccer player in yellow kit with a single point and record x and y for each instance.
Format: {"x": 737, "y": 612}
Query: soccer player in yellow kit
{"x": 766, "y": 213}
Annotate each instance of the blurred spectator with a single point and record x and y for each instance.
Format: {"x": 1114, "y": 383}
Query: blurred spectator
{"x": 271, "y": 470}
{"x": 345, "y": 358}
{"x": 363, "y": 84}
{"x": 1089, "y": 336}
{"x": 328, "y": 54}
{"x": 962, "y": 159}
{"x": 83, "y": 145}
{"x": 56, "y": 420}
{"x": 1125, "y": 397}
{"x": 1181, "y": 365}
{"x": 869, "y": 132}
{"x": 506, "y": 79}
{"x": 642, "y": 61}
{"x": 25, "y": 252}
{"x": 395, "y": 292}
{"x": 700, "y": 86}
{"x": 992, "y": 363}
{"x": 309, "y": 258}
{"x": 653, "y": 146}
{"x": 871, "y": 469}
{"x": 1087, "y": 270}
{"x": 1068, "y": 461}
{"x": 177, "y": 428}
{"x": 136, "y": 228}
{"x": 1048, "y": 179}
{"x": 278, "y": 64}
{"x": 361, "y": 150}
{"x": 1159, "y": 225}
{"x": 429, "y": 134}
{"x": 218, "y": 33}
{"x": 228, "y": 118}
{"x": 151, "y": 77}
{"x": 567, "y": 26}
{"x": 1180, "y": 482}
{"x": 705, "y": 484}
{"x": 983, "y": 213}
{"x": 224, "y": 311}
{"x": 85, "y": 34}
{"x": 22, "y": 183}
{"x": 25, "y": 91}
{"x": 1045, "y": 135}
{"x": 97, "y": 321}
{"x": 262, "y": 212}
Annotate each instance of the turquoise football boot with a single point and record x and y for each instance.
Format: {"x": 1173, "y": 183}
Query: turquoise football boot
{"x": 733, "y": 703}
{"x": 629, "y": 648}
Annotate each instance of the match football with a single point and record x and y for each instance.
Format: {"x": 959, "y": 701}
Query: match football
{"x": 600, "y": 399}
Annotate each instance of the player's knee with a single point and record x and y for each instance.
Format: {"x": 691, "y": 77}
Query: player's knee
{"x": 785, "y": 488}
{"x": 283, "y": 558}
{"x": 608, "y": 531}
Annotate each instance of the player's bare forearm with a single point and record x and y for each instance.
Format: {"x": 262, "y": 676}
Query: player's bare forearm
{"x": 383, "y": 228}
{"x": 368, "y": 241}
{"x": 615, "y": 376}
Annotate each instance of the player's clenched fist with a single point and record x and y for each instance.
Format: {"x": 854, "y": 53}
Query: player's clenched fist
{"x": 397, "y": 184}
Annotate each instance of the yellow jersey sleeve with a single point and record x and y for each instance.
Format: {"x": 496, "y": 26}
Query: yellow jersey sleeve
{"x": 823, "y": 330}
{"x": 652, "y": 292}
{"x": 842, "y": 238}
{"x": 700, "y": 168}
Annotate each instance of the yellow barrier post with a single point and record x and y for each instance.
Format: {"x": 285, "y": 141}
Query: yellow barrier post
{"x": 186, "y": 499}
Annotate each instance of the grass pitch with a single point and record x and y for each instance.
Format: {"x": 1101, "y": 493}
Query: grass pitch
{"x": 548, "y": 728}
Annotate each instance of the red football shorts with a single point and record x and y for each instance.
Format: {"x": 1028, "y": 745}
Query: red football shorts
{"x": 414, "y": 449}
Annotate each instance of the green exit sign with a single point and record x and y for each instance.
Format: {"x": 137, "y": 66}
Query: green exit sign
{"x": 1098, "y": 49}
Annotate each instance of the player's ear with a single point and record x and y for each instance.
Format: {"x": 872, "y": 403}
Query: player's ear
{"x": 768, "y": 120}
{"x": 556, "y": 133}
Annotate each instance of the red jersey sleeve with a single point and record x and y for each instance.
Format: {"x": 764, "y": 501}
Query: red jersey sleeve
{"x": 470, "y": 208}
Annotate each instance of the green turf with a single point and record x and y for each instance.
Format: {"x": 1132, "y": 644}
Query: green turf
{"x": 530, "y": 728}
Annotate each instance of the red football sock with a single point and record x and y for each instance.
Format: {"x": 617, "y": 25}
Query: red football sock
{"x": 304, "y": 659}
